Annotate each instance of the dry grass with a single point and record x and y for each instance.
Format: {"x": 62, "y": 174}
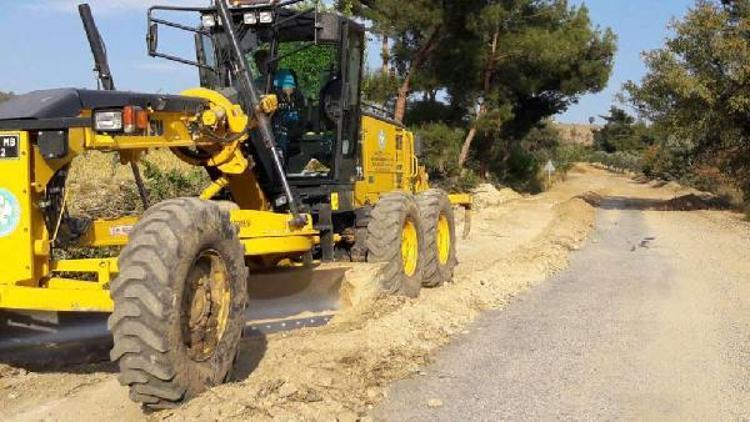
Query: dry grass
{"x": 101, "y": 187}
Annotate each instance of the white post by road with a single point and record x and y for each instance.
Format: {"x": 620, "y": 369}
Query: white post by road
{"x": 549, "y": 168}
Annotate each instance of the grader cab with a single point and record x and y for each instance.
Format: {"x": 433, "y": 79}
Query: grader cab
{"x": 300, "y": 172}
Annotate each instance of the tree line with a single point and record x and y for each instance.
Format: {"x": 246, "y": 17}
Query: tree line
{"x": 478, "y": 79}
{"x": 692, "y": 107}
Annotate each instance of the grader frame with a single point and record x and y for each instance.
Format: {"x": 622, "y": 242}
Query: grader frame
{"x": 29, "y": 283}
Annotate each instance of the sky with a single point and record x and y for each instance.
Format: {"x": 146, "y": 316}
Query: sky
{"x": 640, "y": 25}
{"x": 44, "y": 46}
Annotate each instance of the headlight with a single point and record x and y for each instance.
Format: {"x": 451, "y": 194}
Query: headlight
{"x": 208, "y": 21}
{"x": 250, "y": 18}
{"x": 265, "y": 17}
{"x": 108, "y": 121}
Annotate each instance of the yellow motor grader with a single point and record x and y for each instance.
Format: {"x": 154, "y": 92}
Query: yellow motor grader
{"x": 300, "y": 171}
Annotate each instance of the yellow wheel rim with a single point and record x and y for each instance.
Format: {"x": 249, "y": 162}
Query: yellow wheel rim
{"x": 443, "y": 239}
{"x": 207, "y": 302}
{"x": 409, "y": 248}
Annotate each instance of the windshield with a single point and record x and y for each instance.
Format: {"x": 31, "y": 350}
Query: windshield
{"x": 298, "y": 58}
{"x": 305, "y": 78}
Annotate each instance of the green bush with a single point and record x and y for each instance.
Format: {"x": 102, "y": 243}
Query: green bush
{"x": 618, "y": 161}
{"x": 520, "y": 171}
{"x": 566, "y": 156}
{"x": 670, "y": 159}
{"x": 379, "y": 87}
{"x": 623, "y": 132}
{"x": 166, "y": 184}
{"x": 441, "y": 145}
{"x": 466, "y": 182}
{"x": 522, "y": 167}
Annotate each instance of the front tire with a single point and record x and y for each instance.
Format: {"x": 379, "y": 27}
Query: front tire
{"x": 179, "y": 300}
{"x": 395, "y": 238}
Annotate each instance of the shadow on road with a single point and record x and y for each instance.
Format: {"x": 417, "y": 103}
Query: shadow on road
{"x": 252, "y": 350}
{"x": 689, "y": 202}
{"x": 47, "y": 342}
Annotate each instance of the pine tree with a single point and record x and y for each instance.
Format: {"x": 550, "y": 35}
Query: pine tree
{"x": 416, "y": 29}
{"x": 533, "y": 59}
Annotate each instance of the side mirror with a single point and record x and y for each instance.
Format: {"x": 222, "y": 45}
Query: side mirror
{"x": 152, "y": 39}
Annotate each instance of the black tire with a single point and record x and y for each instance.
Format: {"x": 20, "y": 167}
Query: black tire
{"x": 434, "y": 204}
{"x": 3, "y": 321}
{"x": 384, "y": 239}
{"x": 174, "y": 246}
{"x": 358, "y": 252}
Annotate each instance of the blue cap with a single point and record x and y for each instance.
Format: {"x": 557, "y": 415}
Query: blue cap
{"x": 284, "y": 80}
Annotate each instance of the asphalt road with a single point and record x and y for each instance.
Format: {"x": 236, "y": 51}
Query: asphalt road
{"x": 651, "y": 321}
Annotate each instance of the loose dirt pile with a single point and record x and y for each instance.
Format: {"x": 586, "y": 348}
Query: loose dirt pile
{"x": 695, "y": 202}
{"x": 7, "y": 371}
{"x": 360, "y": 285}
{"x": 488, "y": 196}
{"x": 663, "y": 196}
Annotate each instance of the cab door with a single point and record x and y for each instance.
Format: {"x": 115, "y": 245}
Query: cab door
{"x": 352, "y": 59}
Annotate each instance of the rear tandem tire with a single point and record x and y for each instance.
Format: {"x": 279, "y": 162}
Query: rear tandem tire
{"x": 180, "y": 301}
{"x": 3, "y": 321}
{"x": 440, "y": 237}
{"x": 392, "y": 223}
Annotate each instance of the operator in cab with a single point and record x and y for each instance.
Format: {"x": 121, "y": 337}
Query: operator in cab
{"x": 288, "y": 120}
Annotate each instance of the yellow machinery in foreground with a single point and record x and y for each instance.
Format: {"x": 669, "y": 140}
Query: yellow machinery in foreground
{"x": 295, "y": 175}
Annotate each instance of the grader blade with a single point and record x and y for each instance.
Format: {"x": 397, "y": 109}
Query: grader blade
{"x": 290, "y": 298}
{"x": 281, "y": 299}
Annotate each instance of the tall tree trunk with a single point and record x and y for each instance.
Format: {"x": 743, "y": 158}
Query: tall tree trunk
{"x": 484, "y": 168}
{"x": 385, "y": 54}
{"x": 467, "y": 144}
{"x": 486, "y": 86}
{"x": 419, "y": 59}
{"x": 403, "y": 97}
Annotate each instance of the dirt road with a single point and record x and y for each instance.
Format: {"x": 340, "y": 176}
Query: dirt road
{"x": 650, "y": 322}
{"x": 343, "y": 371}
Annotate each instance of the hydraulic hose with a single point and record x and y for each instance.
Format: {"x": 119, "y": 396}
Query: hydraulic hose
{"x": 251, "y": 98}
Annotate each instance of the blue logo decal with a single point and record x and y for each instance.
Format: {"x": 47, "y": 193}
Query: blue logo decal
{"x": 10, "y": 213}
